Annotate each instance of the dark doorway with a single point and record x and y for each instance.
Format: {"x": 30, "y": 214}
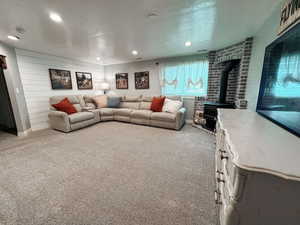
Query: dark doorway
{"x": 7, "y": 119}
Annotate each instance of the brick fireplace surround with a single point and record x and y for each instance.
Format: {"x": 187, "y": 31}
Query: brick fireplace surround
{"x": 237, "y": 81}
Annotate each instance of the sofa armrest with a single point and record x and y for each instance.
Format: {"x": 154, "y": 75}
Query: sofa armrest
{"x": 182, "y": 111}
{"x": 59, "y": 121}
{"x": 180, "y": 118}
{"x": 87, "y": 109}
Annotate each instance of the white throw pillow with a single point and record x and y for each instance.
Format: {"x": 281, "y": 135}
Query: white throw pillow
{"x": 171, "y": 106}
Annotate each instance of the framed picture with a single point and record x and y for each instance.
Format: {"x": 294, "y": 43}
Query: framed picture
{"x": 141, "y": 80}
{"x": 3, "y": 62}
{"x": 84, "y": 80}
{"x": 122, "y": 80}
{"x": 60, "y": 79}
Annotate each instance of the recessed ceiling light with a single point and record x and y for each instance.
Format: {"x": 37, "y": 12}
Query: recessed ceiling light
{"x": 55, "y": 17}
{"x": 134, "y": 52}
{"x": 98, "y": 58}
{"x": 13, "y": 37}
{"x": 188, "y": 43}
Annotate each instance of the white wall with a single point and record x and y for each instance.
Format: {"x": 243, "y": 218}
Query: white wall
{"x": 131, "y": 68}
{"x": 155, "y": 88}
{"x": 37, "y": 86}
{"x": 266, "y": 34}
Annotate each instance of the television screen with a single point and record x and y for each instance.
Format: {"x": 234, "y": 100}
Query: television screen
{"x": 279, "y": 95}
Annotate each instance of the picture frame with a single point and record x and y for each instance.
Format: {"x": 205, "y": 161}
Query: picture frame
{"x": 84, "y": 80}
{"x": 141, "y": 80}
{"x": 122, "y": 81}
{"x": 60, "y": 79}
{"x": 3, "y": 62}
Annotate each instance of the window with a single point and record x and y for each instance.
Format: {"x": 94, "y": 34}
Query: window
{"x": 185, "y": 79}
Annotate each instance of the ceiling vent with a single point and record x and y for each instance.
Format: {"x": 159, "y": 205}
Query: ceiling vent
{"x": 202, "y": 51}
{"x": 20, "y": 30}
{"x": 152, "y": 15}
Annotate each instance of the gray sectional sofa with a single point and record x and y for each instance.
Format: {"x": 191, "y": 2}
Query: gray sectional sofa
{"x": 132, "y": 110}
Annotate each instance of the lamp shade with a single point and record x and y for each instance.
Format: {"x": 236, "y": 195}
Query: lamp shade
{"x": 104, "y": 86}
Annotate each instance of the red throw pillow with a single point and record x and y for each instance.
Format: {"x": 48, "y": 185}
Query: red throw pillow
{"x": 157, "y": 104}
{"x": 65, "y": 106}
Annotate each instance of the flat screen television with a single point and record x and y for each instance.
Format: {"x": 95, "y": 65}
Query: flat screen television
{"x": 279, "y": 95}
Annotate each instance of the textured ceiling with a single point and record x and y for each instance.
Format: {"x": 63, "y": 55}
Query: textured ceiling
{"x": 111, "y": 29}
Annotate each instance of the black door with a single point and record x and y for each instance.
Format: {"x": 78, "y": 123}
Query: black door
{"x": 7, "y": 119}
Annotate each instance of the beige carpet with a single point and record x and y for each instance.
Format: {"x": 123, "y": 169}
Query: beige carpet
{"x": 108, "y": 174}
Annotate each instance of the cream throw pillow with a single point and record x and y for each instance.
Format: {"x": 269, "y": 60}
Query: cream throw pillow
{"x": 100, "y": 101}
{"x": 172, "y": 106}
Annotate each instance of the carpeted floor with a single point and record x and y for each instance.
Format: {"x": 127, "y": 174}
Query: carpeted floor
{"x": 108, "y": 174}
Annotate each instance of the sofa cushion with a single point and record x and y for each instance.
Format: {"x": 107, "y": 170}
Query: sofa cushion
{"x": 146, "y": 102}
{"x": 163, "y": 116}
{"x": 147, "y": 98}
{"x": 65, "y": 106}
{"x": 89, "y": 105}
{"x": 172, "y": 106}
{"x": 76, "y": 100}
{"x": 78, "y": 107}
{"x": 145, "y": 105}
{"x": 132, "y": 98}
{"x": 113, "y": 102}
{"x": 88, "y": 98}
{"x": 100, "y": 101}
{"x": 157, "y": 104}
{"x": 106, "y": 112}
{"x": 141, "y": 114}
{"x": 81, "y": 116}
{"x": 122, "y": 112}
{"x": 130, "y": 105}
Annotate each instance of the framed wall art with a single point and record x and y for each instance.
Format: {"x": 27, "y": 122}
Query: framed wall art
{"x": 84, "y": 80}
{"x": 3, "y": 62}
{"x": 122, "y": 81}
{"x": 60, "y": 79}
{"x": 141, "y": 80}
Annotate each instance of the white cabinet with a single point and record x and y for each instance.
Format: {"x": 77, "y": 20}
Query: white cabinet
{"x": 257, "y": 176}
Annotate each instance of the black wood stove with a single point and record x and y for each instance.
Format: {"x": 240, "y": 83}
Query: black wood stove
{"x": 210, "y": 108}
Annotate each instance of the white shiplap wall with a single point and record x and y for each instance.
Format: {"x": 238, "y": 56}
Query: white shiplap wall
{"x": 37, "y": 86}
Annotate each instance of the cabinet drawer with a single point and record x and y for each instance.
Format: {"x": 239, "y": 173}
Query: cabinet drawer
{"x": 234, "y": 176}
{"x": 220, "y": 138}
{"x": 229, "y": 169}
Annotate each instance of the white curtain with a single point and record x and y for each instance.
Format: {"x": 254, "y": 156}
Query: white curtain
{"x": 288, "y": 77}
{"x": 188, "y": 78}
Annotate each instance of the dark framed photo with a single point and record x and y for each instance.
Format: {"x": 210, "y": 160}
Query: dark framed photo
{"x": 60, "y": 79}
{"x": 122, "y": 80}
{"x": 141, "y": 80}
{"x": 84, "y": 80}
{"x": 3, "y": 62}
